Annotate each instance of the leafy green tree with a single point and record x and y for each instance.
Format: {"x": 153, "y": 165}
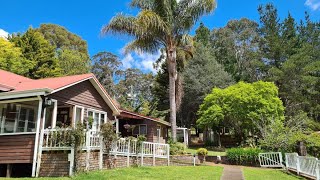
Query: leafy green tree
{"x": 271, "y": 43}
{"x": 11, "y": 58}
{"x": 72, "y": 62}
{"x": 236, "y": 47}
{"x": 134, "y": 90}
{"x": 162, "y": 24}
{"x": 241, "y": 106}
{"x": 72, "y": 50}
{"x": 60, "y": 37}
{"x": 202, "y": 34}
{"x": 39, "y": 52}
{"x": 202, "y": 73}
{"x": 106, "y": 67}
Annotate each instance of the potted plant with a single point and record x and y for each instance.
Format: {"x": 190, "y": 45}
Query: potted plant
{"x": 202, "y": 152}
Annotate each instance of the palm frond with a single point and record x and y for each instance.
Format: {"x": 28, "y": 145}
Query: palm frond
{"x": 143, "y": 45}
{"x": 121, "y": 24}
{"x": 151, "y": 22}
{"x": 191, "y": 10}
{"x": 185, "y": 43}
{"x": 143, "y": 4}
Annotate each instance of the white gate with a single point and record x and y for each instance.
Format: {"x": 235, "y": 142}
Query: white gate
{"x": 271, "y": 159}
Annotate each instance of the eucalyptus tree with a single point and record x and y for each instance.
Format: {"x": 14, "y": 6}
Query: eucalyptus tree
{"x": 161, "y": 24}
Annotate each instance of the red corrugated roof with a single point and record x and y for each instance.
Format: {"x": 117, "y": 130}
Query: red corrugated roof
{"x": 139, "y": 116}
{"x": 10, "y": 79}
{"x": 20, "y": 83}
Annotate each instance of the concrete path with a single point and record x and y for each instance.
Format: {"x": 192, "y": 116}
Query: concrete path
{"x": 232, "y": 173}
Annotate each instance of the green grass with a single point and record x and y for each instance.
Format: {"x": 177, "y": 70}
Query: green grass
{"x": 174, "y": 172}
{"x": 146, "y": 173}
{"x": 210, "y": 153}
{"x": 267, "y": 174}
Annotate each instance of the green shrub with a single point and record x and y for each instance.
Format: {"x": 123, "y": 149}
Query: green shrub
{"x": 313, "y": 144}
{"x": 244, "y": 156}
{"x": 177, "y": 148}
{"x": 202, "y": 152}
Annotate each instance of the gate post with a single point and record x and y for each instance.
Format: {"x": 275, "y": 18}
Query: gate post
{"x": 142, "y": 145}
{"x": 101, "y": 152}
{"x": 287, "y": 163}
{"x": 280, "y": 156}
{"x": 128, "y": 154}
{"x": 154, "y": 155}
{"x": 71, "y": 159}
{"x": 168, "y": 154}
{"x": 88, "y": 150}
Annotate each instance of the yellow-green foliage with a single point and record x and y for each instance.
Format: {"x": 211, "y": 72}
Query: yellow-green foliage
{"x": 241, "y": 104}
{"x": 202, "y": 152}
{"x": 313, "y": 144}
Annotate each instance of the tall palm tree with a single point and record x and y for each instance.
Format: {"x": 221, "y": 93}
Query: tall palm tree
{"x": 161, "y": 24}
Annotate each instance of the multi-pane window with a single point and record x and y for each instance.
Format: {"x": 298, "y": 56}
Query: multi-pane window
{"x": 98, "y": 118}
{"x": 140, "y": 129}
{"x": 18, "y": 117}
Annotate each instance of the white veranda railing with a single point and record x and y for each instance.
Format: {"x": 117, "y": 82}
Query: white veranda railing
{"x": 270, "y": 159}
{"x": 57, "y": 139}
{"x": 124, "y": 147}
{"x": 92, "y": 139}
{"x": 61, "y": 139}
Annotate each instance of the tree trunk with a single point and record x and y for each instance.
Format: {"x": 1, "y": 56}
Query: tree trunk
{"x": 171, "y": 61}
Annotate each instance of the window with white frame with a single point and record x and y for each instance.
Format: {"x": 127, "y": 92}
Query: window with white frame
{"x": 18, "y": 117}
{"x": 98, "y": 118}
{"x": 78, "y": 115}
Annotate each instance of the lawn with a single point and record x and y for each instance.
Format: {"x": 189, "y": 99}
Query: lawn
{"x": 210, "y": 153}
{"x": 267, "y": 174}
{"x": 146, "y": 173}
{"x": 174, "y": 172}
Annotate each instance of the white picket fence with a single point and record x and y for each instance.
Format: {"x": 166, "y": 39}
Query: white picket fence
{"x": 272, "y": 159}
{"x": 155, "y": 150}
{"x": 308, "y": 166}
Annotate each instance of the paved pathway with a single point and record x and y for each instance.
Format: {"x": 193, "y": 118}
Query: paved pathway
{"x": 232, "y": 173}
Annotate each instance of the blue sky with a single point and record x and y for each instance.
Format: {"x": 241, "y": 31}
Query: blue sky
{"x": 86, "y": 18}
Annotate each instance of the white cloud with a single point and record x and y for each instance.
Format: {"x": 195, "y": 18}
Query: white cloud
{"x": 142, "y": 61}
{"x": 147, "y": 61}
{"x": 4, "y": 34}
{"x": 127, "y": 61}
{"x": 313, "y": 4}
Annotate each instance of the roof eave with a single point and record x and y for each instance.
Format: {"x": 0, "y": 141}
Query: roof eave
{"x": 26, "y": 93}
{"x": 148, "y": 118}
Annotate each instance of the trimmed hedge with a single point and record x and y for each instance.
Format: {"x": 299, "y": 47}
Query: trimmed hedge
{"x": 244, "y": 156}
{"x": 202, "y": 152}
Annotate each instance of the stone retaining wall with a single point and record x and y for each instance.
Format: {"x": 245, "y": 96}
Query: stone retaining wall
{"x": 54, "y": 164}
{"x": 57, "y": 164}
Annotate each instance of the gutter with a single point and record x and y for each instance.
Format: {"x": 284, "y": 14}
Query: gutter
{"x": 27, "y": 93}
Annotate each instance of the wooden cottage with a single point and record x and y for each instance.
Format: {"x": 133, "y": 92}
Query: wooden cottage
{"x": 134, "y": 124}
{"x": 32, "y": 109}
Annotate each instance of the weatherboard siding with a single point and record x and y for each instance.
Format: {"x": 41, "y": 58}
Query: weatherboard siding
{"x": 83, "y": 94}
{"x": 16, "y": 149}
